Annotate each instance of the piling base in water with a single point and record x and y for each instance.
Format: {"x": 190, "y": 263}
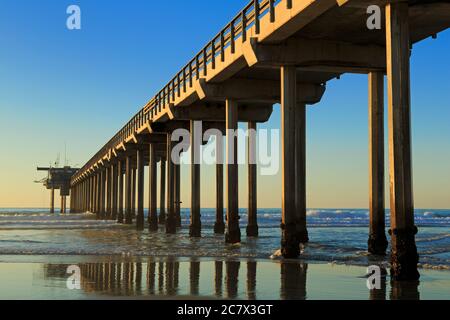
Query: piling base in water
{"x": 171, "y": 224}
{"x": 219, "y": 228}
{"x": 195, "y": 230}
{"x": 377, "y": 244}
{"x": 290, "y": 244}
{"x": 153, "y": 224}
{"x": 252, "y": 231}
{"x": 302, "y": 235}
{"x": 140, "y": 224}
{"x": 233, "y": 236}
{"x": 404, "y": 257}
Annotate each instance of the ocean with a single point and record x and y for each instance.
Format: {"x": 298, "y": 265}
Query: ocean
{"x": 337, "y": 236}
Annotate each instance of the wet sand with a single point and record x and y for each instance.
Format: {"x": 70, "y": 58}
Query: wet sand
{"x": 45, "y": 278}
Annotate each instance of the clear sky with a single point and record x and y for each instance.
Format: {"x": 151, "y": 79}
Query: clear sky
{"x": 77, "y": 88}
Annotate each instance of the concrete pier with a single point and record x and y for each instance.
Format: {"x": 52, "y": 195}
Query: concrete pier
{"x": 284, "y": 57}
{"x": 133, "y": 189}
{"x": 171, "y": 219}
{"x": 233, "y": 232}
{"x": 114, "y": 190}
{"x": 120, "y": 209}
{"x": 98, "y": 193}
{"x": 178, "y": 194}
{"x": 152, "y": 196}
{"x": 252, "y": 227}
{"x": 300, "y": 172}
{"x": 103, "y": 194}
{"x": 162, "y": 195}
{"x": 404, "y": 257}
{"x": 52, "y": 201}
{"x": 290, "y": 243}
{"x": 63, "y": 204}
{"x": 108, "y": 193}
{"x": 219, "y": 226}
{"x": 140, "y": 190}
{"x": 128, "y": 191}
{"x": 377, "y": 235}
{"x": 195, "y": 226}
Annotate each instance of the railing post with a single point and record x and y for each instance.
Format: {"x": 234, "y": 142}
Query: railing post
{"x": 244, "y": 26}
{"x": 222, "y": 46}
{"x": 205, "y": 61}
{"x": 257, "y": 20}
{"x": 197, "y": 68}
{"x": 272, "y": 10}
{"x": 213, "y": 54}
{"x": 232, "y": 41}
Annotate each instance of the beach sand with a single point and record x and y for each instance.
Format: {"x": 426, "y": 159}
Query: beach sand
{"x": 102, "y": 277}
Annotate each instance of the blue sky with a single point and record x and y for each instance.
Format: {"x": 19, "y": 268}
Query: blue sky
{"x": 77, "y": 88}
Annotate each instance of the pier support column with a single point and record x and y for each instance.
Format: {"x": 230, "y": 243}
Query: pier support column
{"x": 171, "y": 219}
{"x": 90, "y": 194}
{"x": 108, "y": 192}
{"x": 120, "y": 209}
{"x": 114, "y": 192}
{"x": 102, "y": 195}
{"x": 140, "y": 190}
{"x": 377, "y": 237}
{"x": 90, "y": 183}
{"x": 178, "y": 193}
{"x": 71, "y": 200}
{"x": 300, "y": 172}
{"x": 290, "y": 244}
{"x": 404, "y": 257}
{"x": 92, "y": 204}
{"x": 80, "y": 197}
{"x": 196, "y": 225}
{"x": 128, "y": 191}
{"x": 219, "y": 226}
{"x": 86, "y": 195}
{"x": 98, "y": 200}
{"x": 152, "y": 192}
{"x": 162, "y": 194}
{"x": 62, "y": 205}
{"x": 233, "y": 234}
{"x": 133, "y": 191}
{"x": 52, "y": 200}
{"x": 252, "y": 227}
{"x": 78, "y": 204}
{"x": 83, "y": 196}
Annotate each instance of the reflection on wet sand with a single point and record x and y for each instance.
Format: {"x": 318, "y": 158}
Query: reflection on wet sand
{"x": 162, "y": 279}
{"x": 293, "y": 281}
{"x": 230, "y": 279}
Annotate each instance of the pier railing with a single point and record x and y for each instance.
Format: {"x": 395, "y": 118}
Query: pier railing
{"x": 248, "y": 18}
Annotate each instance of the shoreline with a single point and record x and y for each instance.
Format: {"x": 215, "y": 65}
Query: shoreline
{"x": 38, "y": 258}
{"x": 111, "y": 277}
